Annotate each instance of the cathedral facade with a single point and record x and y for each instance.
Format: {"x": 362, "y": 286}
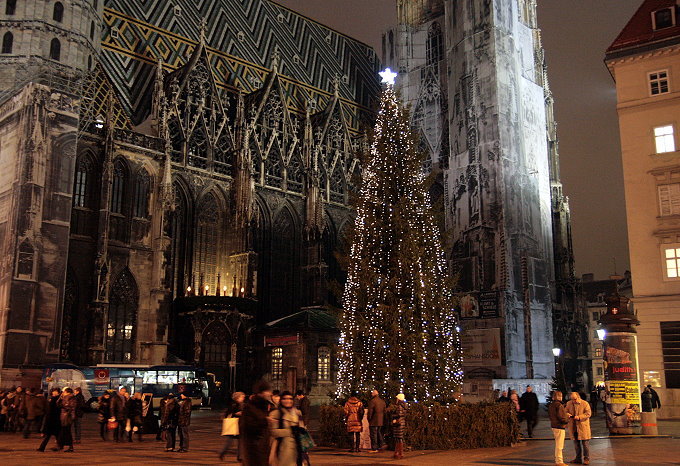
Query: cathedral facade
{"x": 176, "y": 185}
{"x": 474, "y": 74}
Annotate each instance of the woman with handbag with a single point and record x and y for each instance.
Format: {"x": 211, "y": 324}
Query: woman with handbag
{"x": 230, "y": 425}
{"x": 283, "y": 421}
{"x": 104, "y": 414}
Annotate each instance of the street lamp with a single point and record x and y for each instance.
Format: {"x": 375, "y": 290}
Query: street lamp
{"x": 601, "y": 334}
{"x": 557, "y": 352}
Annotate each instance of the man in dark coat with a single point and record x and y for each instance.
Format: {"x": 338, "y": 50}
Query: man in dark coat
{"x": 169, "y": 415}
{"x": 36, "y": 404}
{"x": 376, "y": 420}
{"x": 67, "y": 405}
{"x": 52, "y": 420}
{"x": 302, "y": 403}
{"x": 558, "y": 422}
{"x": 118, "y": 409}
{"x": 80, "y": 412}
{"x": 528, "y": 408}
{"x": 656, "y": 401}
{"x": 183, "y": 422}
{"x": 254, "y": 429}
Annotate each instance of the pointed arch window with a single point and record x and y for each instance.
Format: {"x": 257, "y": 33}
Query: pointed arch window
{"x": 178, "y": 234}
{"x": 434, "y": 48}
{"x": 92, "y": 29}
{"x": 55, "y": 49}
{"x": 58, "y": 12}
{"x": 273, "y": 170}
{"x": 282, "y": 282}
{"x": 208, "y": 221}
{"x": 215, "y": 344}
{"x": 337, "y": 183}
{"x": 10, "y": 7}
{"x": 81, "y": 185}
{"x": 141, "y": 197}
{"x": 118, "y": 189}
{"x": 295, "y": 174}
{"x": 7, "y": 42}
{"x": 122, "y": 319}
{"x": 25, "y": 260}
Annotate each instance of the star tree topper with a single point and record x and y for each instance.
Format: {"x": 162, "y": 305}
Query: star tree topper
{"x": 388, "y": 76}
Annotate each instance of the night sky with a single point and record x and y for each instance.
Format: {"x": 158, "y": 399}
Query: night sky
{"x": 575, "y": 39}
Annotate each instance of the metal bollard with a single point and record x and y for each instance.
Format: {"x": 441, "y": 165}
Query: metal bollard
{"x": 648, "y": 423}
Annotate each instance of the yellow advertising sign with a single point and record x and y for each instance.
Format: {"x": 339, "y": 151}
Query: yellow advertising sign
{"x": 624, "y": 392}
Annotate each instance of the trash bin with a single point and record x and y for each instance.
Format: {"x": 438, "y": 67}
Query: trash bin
{"x": 648, "y": 423}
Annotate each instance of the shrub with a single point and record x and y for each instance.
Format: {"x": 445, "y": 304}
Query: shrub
{"x": 467, "y": 425}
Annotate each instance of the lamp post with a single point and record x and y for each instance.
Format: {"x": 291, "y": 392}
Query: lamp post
{"x": 621, "y": 375}
{"x": 559, "y": 374}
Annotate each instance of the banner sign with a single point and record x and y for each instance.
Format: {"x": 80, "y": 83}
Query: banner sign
{"x": 481, "y": 347}
{"x": 286, "y": 340}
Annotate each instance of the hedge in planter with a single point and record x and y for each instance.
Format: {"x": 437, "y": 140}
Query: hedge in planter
{"x": 479, "y": 425}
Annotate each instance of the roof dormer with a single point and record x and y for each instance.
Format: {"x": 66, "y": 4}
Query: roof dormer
{"x": 663, "y": 18}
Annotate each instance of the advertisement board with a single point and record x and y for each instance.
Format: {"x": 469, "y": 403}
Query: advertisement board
{"x": 481, "y": 347}
{"x": 622, "y": 380}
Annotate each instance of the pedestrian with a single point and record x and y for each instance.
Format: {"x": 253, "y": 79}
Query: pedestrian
{"x": 161, "y": 407}
{"x": 558, "y": 422}
{"x": 276, "y": 398}
{"x": 529, "y": 408}
{"x": 594, "y": 398}
{"x": 354, "y": 414}
{"x": 376, "y": 420}
{"x": 67, "y": 406}
{"x": 135, "y": 411}
{"x": 52, "y": 421}
{"x": 19, "y": 409}
{"x": 302, "y": 404}
{"x": 656, "y": 401}
{"x": 234, "y": 412}
{"x": 503, "y": 398}
{"x": 169, "y": 417}
{"x": 8, "y": 408}
{"x": 514, "y": 399}
{"x": 118, "y": 408}
{"x": 254, "y": 428}
{"x": 579, "y": 427}
{"x": 3, "y": 410}
{"x": 398, "y": 412}
{"x": 104, "y": 414}
{"x": 80, "y": 412}
{"x": 35, "y": 410}
{"x": 183, "y": 421}
{"x": 283, "y": 420}
{"x": 647, "y": 400}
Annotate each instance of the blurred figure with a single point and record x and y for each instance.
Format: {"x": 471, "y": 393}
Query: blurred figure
{"x": 302, "y": 404}
{"x": 234, "y": 411}
{"x": 52, "y": 422}
{"x": 80, "y": 412}
{"x": 169, "y": 421}
{"x": 656, "y": 401}
{"x": 283, "y": 420}
{"x": 118, "y": 410}
{"x": 36, "y": 404}
{"x": 254, "y": 426}
{"x": 104, "y": 414}
{"x": 134, "y": 414}
{"x": 67, "y": 406}
{"x": 354, "y": 414}
{"x": 183, "y": 422}
{"x": 399, "y": 425}
{"x": 503, "y": 398}
{"x": 276, "y": 398}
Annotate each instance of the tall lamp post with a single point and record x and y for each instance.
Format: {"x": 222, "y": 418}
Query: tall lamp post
{"x": 559, "y": 372}
{"x": 621, "y": 374}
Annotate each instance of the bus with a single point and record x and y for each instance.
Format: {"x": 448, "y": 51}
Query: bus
{"x": 157, "y": 381}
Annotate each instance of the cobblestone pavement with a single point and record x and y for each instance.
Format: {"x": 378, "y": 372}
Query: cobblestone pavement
{"x": 205, "y": 442}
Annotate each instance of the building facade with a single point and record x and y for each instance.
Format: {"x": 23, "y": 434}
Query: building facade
{"x": 474, "y": 74}
{"x": 176, "y": 175}
{"x": 644, "y": 61}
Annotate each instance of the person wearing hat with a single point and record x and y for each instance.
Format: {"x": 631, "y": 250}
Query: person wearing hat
{"x": 399, "y": 425}
{"x": 183, "y": 421}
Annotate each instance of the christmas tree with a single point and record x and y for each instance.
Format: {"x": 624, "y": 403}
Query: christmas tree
{"x": 398, "y": 327}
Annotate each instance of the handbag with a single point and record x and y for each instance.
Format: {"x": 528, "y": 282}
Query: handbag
{"x": 304, "y": 439}
{"x": 112, "y": 424}
{"x": 230, "y": 426}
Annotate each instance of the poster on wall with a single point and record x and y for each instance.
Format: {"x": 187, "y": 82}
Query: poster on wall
{"x": 469, "y": 306}
{"x": 481, "y": 347}
{"x": 488, "y": 304}
{"x": 622, "y": 382}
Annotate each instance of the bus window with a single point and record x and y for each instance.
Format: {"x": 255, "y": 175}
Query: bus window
{"x": 148, "y": 377}
{"x": 167, "y": 377}
{"x": 187, "y": 377}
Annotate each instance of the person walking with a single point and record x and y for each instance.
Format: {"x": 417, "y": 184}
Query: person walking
{"x": 234, "y": 411}
{"x": 376, "y": 420}
{"x": 303, "y": 405}
{"x": 80, "y": 412}
{"x": 656, "y": 401}
{"x": 161, "y": 407}
{"x": 183, "y": 422}
{"x": 528, "y": 404}
{"x": 169, "y": 417}
{"x": 104, "y": 414}
{"x": 647, "y": 400}
{"x": 558, "y": 422}
{"x": 283, "y": 420}
{"x": 254, "y": 428}
{"x": 35, "y": 409}
{"x": 118, "y": 408}
{"x": 134, "y": 410}
{"x": 579, "y": 427}
{"x": 67, "y": 406}
{"x": 354, "y": 414}
{"x": 399, "y": 425}
{"x": 52, "y": 421}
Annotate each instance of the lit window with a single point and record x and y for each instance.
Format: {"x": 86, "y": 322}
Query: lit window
{"x": 324, "y": 363}
{"x": 658, "y": 82}
{"x": 598, "y": 351}
{"x": 277, "y": 363}
{"x": 672, "y": 257}
{"x": 664, "y": 139}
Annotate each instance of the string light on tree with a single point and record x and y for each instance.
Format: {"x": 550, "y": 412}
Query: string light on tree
{"x": 398, "y": 330}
